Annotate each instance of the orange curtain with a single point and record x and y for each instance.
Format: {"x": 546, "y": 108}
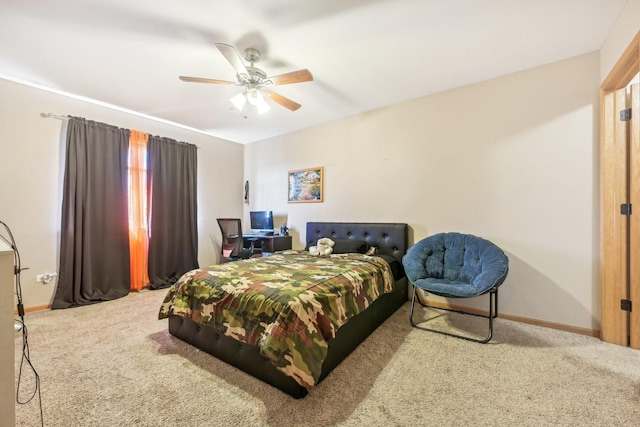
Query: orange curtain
{"x": 138, "y": 227}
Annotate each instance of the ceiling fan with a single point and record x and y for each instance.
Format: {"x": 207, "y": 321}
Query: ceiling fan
{"x": 255, "y": 81}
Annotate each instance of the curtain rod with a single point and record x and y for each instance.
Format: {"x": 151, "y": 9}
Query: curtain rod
{"x": 54, "y": 116}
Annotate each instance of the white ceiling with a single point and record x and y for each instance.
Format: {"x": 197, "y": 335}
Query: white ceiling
{"x": 363, "y": 54}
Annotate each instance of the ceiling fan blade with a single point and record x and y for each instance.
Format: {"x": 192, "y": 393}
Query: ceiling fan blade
{"x": 292, "y": 77}
{"x": 201, "y": 80}
{"x": 285, "y": 102}
{"x": 233, "y": 57}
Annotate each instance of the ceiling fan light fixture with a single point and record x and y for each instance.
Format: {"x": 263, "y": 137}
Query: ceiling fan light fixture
{"x": 262, "y": 106}
{"x": 255, "y": 81}
{"x": 238, "y": 101}
{"x": 255, "y": 98}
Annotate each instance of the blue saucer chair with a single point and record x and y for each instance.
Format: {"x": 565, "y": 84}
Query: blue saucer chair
{"x": 455, "y": 265}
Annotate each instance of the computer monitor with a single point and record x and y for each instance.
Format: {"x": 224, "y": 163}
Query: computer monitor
{"x": 261, "y": 221}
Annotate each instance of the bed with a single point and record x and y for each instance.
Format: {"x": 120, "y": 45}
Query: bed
{"x": 211, "y": 329}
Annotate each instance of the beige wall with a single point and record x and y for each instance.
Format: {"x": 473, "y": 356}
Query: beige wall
{"x": 524, "y": 148}
{"x": 31, "y": 167}
{"x": 625, "y": 29}
{"x": 511, "y": 159}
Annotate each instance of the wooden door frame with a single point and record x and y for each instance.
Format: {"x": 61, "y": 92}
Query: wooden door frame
{"x": 625, "y": 69}
{"x": 634, "y": 223}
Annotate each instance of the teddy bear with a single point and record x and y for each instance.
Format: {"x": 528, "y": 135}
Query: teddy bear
{"x": 324, "y": 246}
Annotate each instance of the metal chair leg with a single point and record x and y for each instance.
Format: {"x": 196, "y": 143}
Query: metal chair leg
{"x": 493, "y": 313}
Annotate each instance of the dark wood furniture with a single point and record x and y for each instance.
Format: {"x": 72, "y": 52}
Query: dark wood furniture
{"x": 268, "y": 243}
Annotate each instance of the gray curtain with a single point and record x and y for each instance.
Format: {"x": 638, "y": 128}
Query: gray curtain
{"x": 94, "y": 241}
{"x": 172, "y": 180}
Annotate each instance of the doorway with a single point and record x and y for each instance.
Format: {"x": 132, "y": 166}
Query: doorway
{"x": 619, "y": 192}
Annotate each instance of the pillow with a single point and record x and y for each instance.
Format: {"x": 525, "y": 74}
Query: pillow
{"x": 346, "y": 246}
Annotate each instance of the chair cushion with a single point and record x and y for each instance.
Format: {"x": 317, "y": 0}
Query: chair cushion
{"x": 447, "y": 288}
{"x": 456, "y": 265}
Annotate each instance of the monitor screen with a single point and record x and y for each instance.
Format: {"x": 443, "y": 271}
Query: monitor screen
{"x": 261, "y": 220}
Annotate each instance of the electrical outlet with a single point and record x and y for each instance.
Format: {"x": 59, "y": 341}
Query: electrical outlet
{"x": 46, "y": 277}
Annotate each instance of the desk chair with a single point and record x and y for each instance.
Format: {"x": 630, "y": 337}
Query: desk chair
{"x": 232, "y": 241}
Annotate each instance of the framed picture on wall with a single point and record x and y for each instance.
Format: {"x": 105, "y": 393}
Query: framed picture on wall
{"x": 305, "y": 185}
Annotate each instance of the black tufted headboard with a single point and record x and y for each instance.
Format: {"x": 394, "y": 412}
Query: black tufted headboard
{"x": 390, "y": 238}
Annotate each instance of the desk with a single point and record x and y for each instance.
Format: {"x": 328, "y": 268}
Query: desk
{"x": 268, "y": 243}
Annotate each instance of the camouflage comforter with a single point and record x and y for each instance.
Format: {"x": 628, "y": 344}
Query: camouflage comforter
{"x": 288, "y": 304}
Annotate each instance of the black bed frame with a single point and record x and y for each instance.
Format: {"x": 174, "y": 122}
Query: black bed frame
{"x": 389, "y": 238}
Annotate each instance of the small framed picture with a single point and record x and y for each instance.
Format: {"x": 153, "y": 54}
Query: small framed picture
{"x": 305, "y": 185}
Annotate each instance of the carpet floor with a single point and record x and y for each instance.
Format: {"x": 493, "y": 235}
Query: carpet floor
{"x": 115, "y": 364}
